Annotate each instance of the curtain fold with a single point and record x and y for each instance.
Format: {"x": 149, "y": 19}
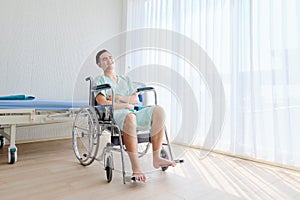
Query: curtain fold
{"x": 254, "y": 47}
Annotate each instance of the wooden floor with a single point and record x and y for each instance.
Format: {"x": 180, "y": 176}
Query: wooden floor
{"x": 49, "y": 170}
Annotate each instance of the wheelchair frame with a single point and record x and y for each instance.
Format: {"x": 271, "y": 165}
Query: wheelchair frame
{"x": 90, "y": 123}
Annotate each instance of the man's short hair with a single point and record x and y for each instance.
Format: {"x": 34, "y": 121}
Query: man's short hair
{"x": 99, "y": 54}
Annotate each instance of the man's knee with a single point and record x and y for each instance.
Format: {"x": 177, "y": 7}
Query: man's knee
{"x": 130, "y": 123}
{"x": 158, "y": 120}
{"x": 159, "y": 112}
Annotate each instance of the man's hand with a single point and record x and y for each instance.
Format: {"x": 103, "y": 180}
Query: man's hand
{"x": 109, "y": 98}
{"x": 130, "y": 106}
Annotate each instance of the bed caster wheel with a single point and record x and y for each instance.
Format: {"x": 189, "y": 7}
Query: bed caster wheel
{"x": 12, "y": 155}
{"x": 164, "y": 154}
{"x": 109, "y": 168}
{"x": 2, "y": 141}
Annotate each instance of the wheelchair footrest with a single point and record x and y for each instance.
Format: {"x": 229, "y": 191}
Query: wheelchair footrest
{"x": 179, "y": 161}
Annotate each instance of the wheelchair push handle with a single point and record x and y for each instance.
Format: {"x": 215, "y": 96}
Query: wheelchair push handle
{"x": 88, "y": 78}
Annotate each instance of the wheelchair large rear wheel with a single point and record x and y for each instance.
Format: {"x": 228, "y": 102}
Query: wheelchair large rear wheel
{"x": 86, "y": 135}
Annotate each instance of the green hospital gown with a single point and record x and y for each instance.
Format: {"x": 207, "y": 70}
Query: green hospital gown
{"x": 124, "y": 87}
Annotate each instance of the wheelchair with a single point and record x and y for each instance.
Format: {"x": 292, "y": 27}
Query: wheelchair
{"x": 93, "y": 121}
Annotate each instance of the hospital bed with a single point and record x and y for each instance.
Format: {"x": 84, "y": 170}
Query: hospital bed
{"x": 16, "y": 112}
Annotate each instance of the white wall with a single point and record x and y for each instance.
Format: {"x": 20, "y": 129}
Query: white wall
{"x": 43, "y": 43}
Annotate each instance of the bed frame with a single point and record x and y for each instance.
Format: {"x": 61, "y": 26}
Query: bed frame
{"x": 15, "y": 114}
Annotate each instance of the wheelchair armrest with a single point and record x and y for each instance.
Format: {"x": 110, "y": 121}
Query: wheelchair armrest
{"x": 146, "y": 89}
{"x": 143, "y": 89}
{"x": 102, "y": 87}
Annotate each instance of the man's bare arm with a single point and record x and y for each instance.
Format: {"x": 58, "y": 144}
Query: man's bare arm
{"x": 102, "y": 100}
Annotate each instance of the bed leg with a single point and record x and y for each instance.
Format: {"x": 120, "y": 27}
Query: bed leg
{"x": 12, "y": 149}
{"x": 2, "y": 138}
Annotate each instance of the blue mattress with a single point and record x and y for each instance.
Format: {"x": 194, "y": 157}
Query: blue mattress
{"x": 42, "y": 104}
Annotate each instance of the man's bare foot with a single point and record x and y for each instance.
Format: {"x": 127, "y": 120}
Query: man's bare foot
{"x": 139, "y": 176}
{"x": 161, "y": 162}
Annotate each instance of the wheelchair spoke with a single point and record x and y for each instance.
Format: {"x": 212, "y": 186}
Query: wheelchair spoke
{"x": 82, "y": 129}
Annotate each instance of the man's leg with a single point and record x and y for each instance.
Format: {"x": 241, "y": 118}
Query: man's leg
{"x": 157, "y": 133}
{"x": 131, "y": 144}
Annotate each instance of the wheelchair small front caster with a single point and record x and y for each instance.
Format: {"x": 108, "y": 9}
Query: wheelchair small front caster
{"x": 164, "y": 154}
{"x": 109, "y": 168}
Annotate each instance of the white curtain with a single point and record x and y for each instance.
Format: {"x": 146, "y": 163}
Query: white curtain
{"x": 254, "y": 47}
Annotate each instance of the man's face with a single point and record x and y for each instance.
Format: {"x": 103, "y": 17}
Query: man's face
{"x": 106, "y": 61}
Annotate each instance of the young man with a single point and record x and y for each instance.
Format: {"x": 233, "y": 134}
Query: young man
{"x": 148, "y": 118}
